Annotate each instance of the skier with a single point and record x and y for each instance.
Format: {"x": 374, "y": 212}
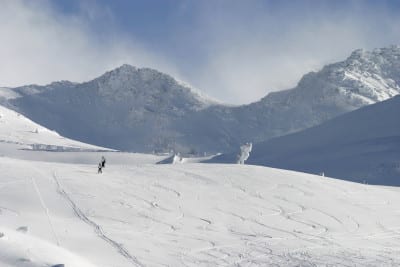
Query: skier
{"x": 100, "y": 168}
{"x": 103, "y": 162}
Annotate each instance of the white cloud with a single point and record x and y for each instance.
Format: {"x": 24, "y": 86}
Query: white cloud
{"x": 253, "y": 52}
{"x": 40, "y": 45}
{"x": 240, "y": 51}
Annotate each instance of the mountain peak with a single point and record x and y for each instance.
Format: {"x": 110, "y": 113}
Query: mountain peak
{"x": 126, "y": 68}
{"x": 147, "y": 81}
{"x": 376, "y": 55}
{"x": 128, "y": 72}
{"x": 123, "y": 70}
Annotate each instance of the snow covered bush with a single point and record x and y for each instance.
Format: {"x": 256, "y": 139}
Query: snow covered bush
{"x": 244, "y": 152}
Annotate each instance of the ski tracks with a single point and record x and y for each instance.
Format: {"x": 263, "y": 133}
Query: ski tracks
{"x": 97, "y": 228}
{"x": 168, "y": 189}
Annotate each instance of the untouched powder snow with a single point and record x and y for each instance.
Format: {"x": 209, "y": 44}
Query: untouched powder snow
{"x": 191, "y": 215}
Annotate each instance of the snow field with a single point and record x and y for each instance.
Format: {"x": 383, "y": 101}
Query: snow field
{"x": 191, "y": 215}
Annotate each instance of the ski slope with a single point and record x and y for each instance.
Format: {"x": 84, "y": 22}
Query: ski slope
{"x": 191, "y": 215}
{"x": 55, "y": 209}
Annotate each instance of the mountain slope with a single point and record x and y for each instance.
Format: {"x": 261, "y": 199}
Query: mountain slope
{"x": 138, "y": 213}
{"x": 126, "y": 108}
{"x": 144, "y": 110}
{"x": 363, "y": 146}
{"x": 190, "y": 215}
{"x": 362, "y": 79}
{"x": 19, "y": 130}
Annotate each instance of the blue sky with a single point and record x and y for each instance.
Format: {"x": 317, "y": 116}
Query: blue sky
{"x": 235, "y": 51}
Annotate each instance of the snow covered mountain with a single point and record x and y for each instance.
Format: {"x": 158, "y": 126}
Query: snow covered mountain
{"x": 145, "y": 110}
{"x": 56, "y": 210}
{"x": 127, "y": 108}
{"x": 362, "y": 146}
{"x": 362, "y": 79}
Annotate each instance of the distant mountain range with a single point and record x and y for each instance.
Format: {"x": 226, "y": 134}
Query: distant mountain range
{"x": 144, "y": 110}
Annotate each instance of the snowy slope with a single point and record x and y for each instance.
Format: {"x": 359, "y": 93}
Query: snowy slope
{"x": 191, "y": 215}
{"x": 126, "y": 108}
{"x": 145, "y": 110}
{"x": 18, "y": 249}
{"x": 362, "y": 146}
{"x": 56, "y": 209}
{"x": 362, "y": 79}
{"x": 19, "y": 130}
{"x": 366, "y": 77}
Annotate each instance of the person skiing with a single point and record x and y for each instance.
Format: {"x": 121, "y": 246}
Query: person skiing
{"x": 103, "y": 162}
{"x": 100, "y": 168}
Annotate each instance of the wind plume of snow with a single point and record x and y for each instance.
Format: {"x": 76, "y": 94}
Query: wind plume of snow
{"x": 244, "y": 152}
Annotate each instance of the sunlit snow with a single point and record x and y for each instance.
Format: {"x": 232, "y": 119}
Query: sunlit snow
{"x": 138, "y": 213}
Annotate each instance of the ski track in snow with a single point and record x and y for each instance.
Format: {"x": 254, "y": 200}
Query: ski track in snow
{"x": 173, "y": 217}
{"x": 44, "y": 206}
{"x": 97, "y": 228}
{"x": 178, "y": 194}
{"x": 318, "y": 235}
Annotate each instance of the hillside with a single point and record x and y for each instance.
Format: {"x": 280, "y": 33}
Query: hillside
{"x": 365, "y": 78}
{"x": 362, "y": 146}
{"x": 15, "y": 129}
{"x": 126, "y": 108}
{"x": 190, "y": 214}
{"x": 144, "y": 110}
{"x": 55, "y": 209}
